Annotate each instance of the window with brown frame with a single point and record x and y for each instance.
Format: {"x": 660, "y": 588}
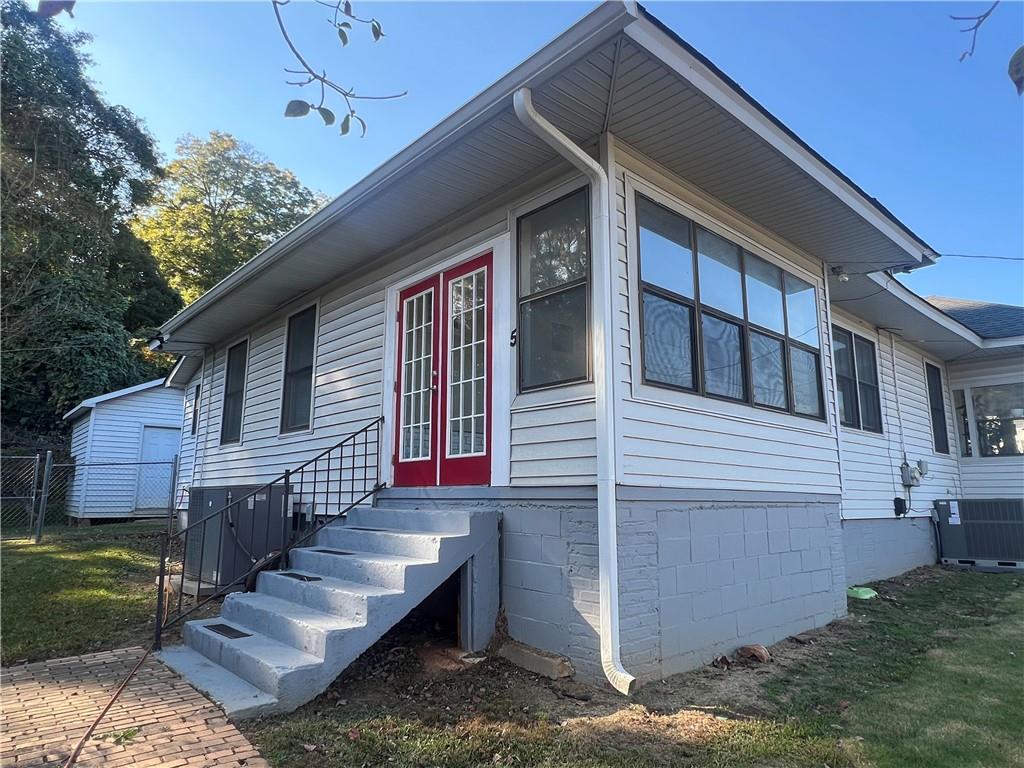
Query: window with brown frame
{"x": 721, "y": 322}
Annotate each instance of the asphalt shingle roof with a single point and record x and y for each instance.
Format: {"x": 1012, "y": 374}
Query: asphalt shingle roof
{"x": 988, "y": 320}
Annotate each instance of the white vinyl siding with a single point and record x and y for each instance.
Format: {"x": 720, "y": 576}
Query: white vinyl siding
{"x": 989, "y": 477}
{"x": 187, "y": 452}
{"x": 871, "y": 461}
{"x": 677, "y": 439}
{"x": 115, "y": 438}
{"x": 80, "y": 455}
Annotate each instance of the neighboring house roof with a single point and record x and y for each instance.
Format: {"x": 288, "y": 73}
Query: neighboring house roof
{"x": 985, "y": 318}
{"x": 617, "y": 71}
{"x": 83, "y": 407}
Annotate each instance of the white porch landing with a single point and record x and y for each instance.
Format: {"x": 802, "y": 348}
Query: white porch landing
{"x": 274, "y": 649}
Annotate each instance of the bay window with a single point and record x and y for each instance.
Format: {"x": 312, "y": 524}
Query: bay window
{"x": 554, "y": 293}
{"x": 721, "y": 322}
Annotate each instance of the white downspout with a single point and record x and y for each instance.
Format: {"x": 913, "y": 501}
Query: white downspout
{"x": 604, "y": 382}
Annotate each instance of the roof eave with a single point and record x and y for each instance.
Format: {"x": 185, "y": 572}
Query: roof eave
{"x": 604, "y": 21}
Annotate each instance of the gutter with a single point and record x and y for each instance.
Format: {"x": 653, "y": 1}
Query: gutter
{"x": 604, "y": 383}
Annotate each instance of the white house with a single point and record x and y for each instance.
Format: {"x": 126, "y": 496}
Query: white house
{"x": 122, "y": 445}
{"x": 617, "y": 302}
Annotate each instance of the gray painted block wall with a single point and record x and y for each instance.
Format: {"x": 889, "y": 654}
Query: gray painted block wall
{"x": 696, "y": 577}
{"x": 880, "y": 549}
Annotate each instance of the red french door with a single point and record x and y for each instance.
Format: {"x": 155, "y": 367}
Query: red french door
{"x": 443, "y": 403}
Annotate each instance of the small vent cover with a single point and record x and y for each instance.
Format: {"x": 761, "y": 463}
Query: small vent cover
{"x": 227, "y": 631}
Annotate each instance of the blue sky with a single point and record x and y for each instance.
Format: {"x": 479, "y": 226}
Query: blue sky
{"x": 875, "y": 87}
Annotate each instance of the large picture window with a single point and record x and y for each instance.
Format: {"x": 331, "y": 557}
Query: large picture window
{"x": 554, "y": 279}
{"x": 722, "y": 322}
{"x": 997, "y": 413}
{"x": 234, "y": 393}
{"x": 857, "y": 381}
{"x": 298, "y": 371}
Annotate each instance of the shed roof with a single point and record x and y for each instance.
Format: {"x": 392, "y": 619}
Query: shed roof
{"x": 83, "y": 407}
{"x": 987, "y": 319}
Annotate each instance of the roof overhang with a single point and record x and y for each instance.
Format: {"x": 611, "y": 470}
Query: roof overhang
{"x": 86, "y": 405}
{"x": 886, "y": 303}
{"x": 183, "y": 371}
{"x": 618, "y": 70}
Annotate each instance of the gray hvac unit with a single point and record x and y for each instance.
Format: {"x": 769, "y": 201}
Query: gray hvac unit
{"x": 226, "y": 545}
{"x": 987, "y": 534}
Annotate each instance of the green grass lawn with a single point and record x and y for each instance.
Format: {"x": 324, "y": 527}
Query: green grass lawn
{"x": 930, "y": 674}
{"x": 80, "y": 590}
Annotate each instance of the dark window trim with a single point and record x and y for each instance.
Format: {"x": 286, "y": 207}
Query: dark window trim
{"x": 858, "y": 382}
{"x": 286, "y": 375}
{"x": 240, "y": 392}
{"x": 521, "y": 300}
{"x": 194, "y": 427}
{"x": 939, "y": 426}
{"x": 746, "y": 327}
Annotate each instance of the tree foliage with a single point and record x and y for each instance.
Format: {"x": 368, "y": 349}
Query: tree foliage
{"x": 77, "y": 284}
{"x": 219, "y": 204}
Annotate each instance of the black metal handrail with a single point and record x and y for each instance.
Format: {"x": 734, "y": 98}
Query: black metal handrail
{"x": 304, "y": 500}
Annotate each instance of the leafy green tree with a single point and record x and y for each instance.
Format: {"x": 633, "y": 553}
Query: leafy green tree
{"x": 77, "y": 284}
{"x": 219, "y": 204}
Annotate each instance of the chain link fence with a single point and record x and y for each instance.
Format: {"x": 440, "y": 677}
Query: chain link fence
{"x": 39, "y": 492}
{"x": 19, "y": 488}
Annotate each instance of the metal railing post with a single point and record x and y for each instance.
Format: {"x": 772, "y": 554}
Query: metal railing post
{"x": 47, "y": 476}
{"x": 172, "y": 502}
{"x": 159, "y": 621}
{"x": 285, "y": 518}
{"x": 32, "y": 495}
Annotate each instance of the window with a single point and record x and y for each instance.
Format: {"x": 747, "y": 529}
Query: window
{"x": 963, "y": 422}
{"x": 999, "y": 416}
{"x": 554, "y": 279}
{"x": 297, "y": 398}
{"x": 857, "y": 381}
{"x": 195, "y": 410}
{"x": 234, "y": 393}
{"x": 722, "y": 322}
{"x": 937, "y": 406}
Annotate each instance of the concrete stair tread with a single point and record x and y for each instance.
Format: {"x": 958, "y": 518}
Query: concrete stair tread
{"x": 296, "y": 612}
{"x": 235, "y": 696}
{"x": 377, "y": 557}
{"x": 272, "y": 652}
{"x": 329, "y": 582}
{"x": 390, "y": 531}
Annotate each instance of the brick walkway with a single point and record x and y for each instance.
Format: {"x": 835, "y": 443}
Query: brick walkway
{"x": 48, "y": 705}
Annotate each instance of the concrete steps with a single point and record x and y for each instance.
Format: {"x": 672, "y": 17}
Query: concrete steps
{"x": 278, "y": 647}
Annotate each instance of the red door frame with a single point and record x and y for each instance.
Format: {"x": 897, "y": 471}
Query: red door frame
{"x": 467, "y": 470}
{"x": 417, "y": 472}
{"x": 439, "y": 468}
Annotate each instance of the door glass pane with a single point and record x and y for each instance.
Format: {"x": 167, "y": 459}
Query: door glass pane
{"x": 723, "y": 358}
{"x": 801, "y": 311}
{"x": 467, "y": 376}
{"x": 668, "y": 342}
{"x": 666, "y": 256}
{"x": 764, "y": 294}
{"x": 999, "y": 413}
{"x": 768, "y": 370}
{"x": 719, "y": 272}
{"x": 553, "y": 338}
{"x": 806, "y": 382}
{"x": 417, "y": 374}
{"x": 554, "y": 246}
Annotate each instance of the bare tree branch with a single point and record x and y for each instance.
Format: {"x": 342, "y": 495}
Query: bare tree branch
{"x": 341, "y": 8}
{"x": 973, "y": 29}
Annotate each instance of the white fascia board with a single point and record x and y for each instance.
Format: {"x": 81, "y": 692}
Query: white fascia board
{"x": 600, "y": 24}
{"x": 660, "y": 45}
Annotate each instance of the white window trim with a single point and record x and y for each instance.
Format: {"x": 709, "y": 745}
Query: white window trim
{"x": 247, "y": 340}
{"x": 281, "y": 432}
{"x": 691, "y": 401}
{"x": 947, "y": 404}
